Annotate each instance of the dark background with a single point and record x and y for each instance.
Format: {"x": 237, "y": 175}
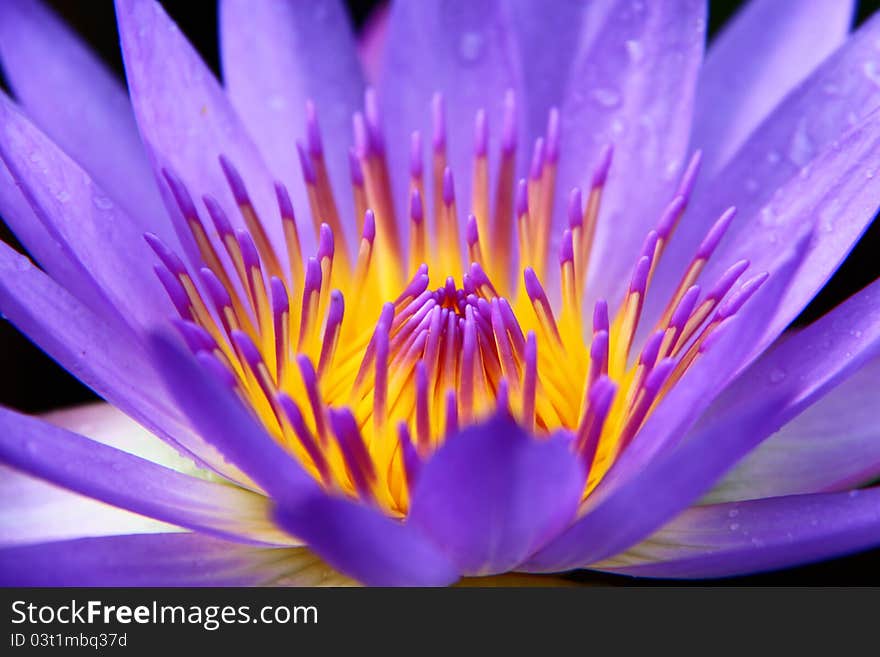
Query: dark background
{"x": 31, "y": 382}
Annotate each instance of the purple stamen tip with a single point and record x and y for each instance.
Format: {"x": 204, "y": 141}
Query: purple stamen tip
{"x": 713, "y": 237}
{"x": 650, "y": 245}
{"x": 196, "y": 338}
{"x": 481, "y": 134}
{"x": 600, "y": 175}
{"x": 313, "y": 130}
{"x": 553, "y": 136}
{"x": 336, "y": 309}
{"x": 218, "y": 216}
{"x": 305, "y": 162}
{"x": 448, "y": 187}
{"x": 736, "y": 300}
{"x": 181, "y": 194}
{"x": 651, "y": 349}
{"x": 727, "y": 280}
{"x": 508, "y": 126}
{"x": 537, "y": 166}
{"x": 354, "y": 168}
{"x": 369, "y": 233}
{"x": 416, "y": 165}
{"x": 438, "y": 114}
{"x": 599, "y": 346}
{"x": 522, "y": 198}
{"x": 215, "y": 369}
{"x": 416, "y": 210}
{"x": 533, "y": 285}
{"x": 689, "y": 178}
{"x": 280, "y": 302}
{"x": 248, "y": 349}
{"x": 173, "y": 263}
{"x": 374, "y": 120}
{"x": 472, "y": 235}
{"x": 235, "y": 181}
{"x": 575, "y": 208}
{"x": 685, "y": 307}
{"x": 600, "y": 316}
{"x": 325, "y": 242}
{"x": 670, "y": 216}
{"x": 215, "y": 289}
{"x": 601, "y": 395}
{"x": 640, "y": 276}
{"x": 249, "y": 253}
{"x": 313, "y": 276}
{"x": 566, "y": 252}
{"x": 175, "y": 290}
{"x": 657, "y": 377}
{"x": 285, "y": 206}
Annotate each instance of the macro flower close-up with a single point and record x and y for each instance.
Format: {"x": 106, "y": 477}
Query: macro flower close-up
{"x": 481, "y": 292}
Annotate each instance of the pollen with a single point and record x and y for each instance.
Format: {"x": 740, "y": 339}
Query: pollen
{"x": 363, "y": 358}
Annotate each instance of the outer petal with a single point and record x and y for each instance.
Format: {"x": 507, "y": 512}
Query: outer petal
{"x": 35, "y": 512}
{"x": 80, "y": 216}
{"x": 832, "y": 443}
{"x": 107, "y": 360}
{"x": 745, "y": 537}
{"x": 276, "y": 56}
{"x": 160, "y": 560}
{"x": 633, "y": 87}
{"x": 493, "y": 495}
{"x": 71, "y": 95}
{"x": 365, "y": 544}
{"x": 785, "y": 152}
{"x": 185, "y": 118}
{"x": 465, "y": 50}
{"x": 129, "y": 482}
{"x": 766, "y": 50}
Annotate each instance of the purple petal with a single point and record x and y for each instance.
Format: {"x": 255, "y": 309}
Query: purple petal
{"x": 278, "y": 55}
{"x": 220, "y": 416}
{"x": 633, "y": 87}
{"x": 36, "y": 512}
{"x": 185, "y": 118}
{"x": 492, "y": 495}
{"x": 131, "y": 483}
{"x": 79, "y": 215}
{"x": 365, "y": 544}
{"x": 464, "y": 50}
{"x": 371, "y": 42}
{"x": 72, "y": 96}
{"x": 745, "y": 537}
{"x": 789, "y": 151}
{"x": 160, "y": 560}
{"x": 763, "y": 53}
{"x": 833, "y": 443}
{"x": 107, "y": 359}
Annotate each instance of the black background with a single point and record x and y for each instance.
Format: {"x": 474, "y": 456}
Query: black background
{"x": 31, "y": 382}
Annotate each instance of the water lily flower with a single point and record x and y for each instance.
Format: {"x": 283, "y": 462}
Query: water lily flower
{"x": 515, "y": 302}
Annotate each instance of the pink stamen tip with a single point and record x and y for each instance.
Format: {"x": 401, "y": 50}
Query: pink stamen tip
{"x": 218, "y": 216}
{"x": 736, "y": 300}
{"x": 196, "y": 338}
{"x": 481, "y": 134}
{"x": 553, "y": 136}
{"x": 600, "y": 316}
{"x": 170, "y": 259}
{"x": 175, "y": 291}
{"x": 438, "y": 115}
{"x": 448, "y": 187}
{"x": 600, "y": 175}
{"x": 472, "y": 235}
{"x": 537, "y": 166}
{"x": 215, "y": 369}
{"x": 651, "y": 349}
{"x": 566, "y": 251}
{"x": 521, "y": 202}
{"x": 305, "y": 162}
{"x": 727, "y": 280}
{"x": 416, "y": 163}
{"x": 280, "y": 301}
{"x": 575, "y": 208}
{"x": 354, "y": 168}
{"x": 249, "y": 254}
{"x": 313, "y": 130}
{"x": 639, "y": 281}
{"x": 285, "y": 206}
{"x": 234, "y": 180}
{"x": 715, "y": 234}
{"x": 670, "y": 216}
{"x": 508, "y": 125}
{"x": 689, "y": 178}
{"x": 685, "y": 307}
{"x": 181, "y": 194}
{"x": 361, "y": 136}
{"x": 326, "y": 246}
{"x": 416, "y": 209}
{"x": 369, "y": 232}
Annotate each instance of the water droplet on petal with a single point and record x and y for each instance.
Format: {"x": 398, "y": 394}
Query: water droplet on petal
{"x": 62, "y": 195}
{"x": 734, "y": 526}
{"x": 635, "y": 50}
{"x": 606, "y": 97}
{"x": 777, "y": 375}
{"x": 872, "y": 71}
{"x": 102, "y": 202}
{"x": 733, "y": 513}
{"x": 470, "y": 46}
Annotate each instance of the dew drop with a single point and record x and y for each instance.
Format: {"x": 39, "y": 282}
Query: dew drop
{"x": 777, "y": 376}
{"x": 606, "y": 97}
{"x": 801, "y": 148}
{"x": 63, "y": 196}
{"x": 635, "y": 50}
{"x": 733, "y": 513}
{"x": 734, "y": 526}
{"x": 869, "y": 173}
{"x": 470, "y": 46}
{"x": 853, "y": 493}
{"x": 871, "y": 71}
{"x": 856, "y": 333}
{"x": 102, "y": 202}
{"x": 773, "y": 157}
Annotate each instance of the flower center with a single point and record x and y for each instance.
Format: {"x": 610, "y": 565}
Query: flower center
{"x": 362, "y": 366}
